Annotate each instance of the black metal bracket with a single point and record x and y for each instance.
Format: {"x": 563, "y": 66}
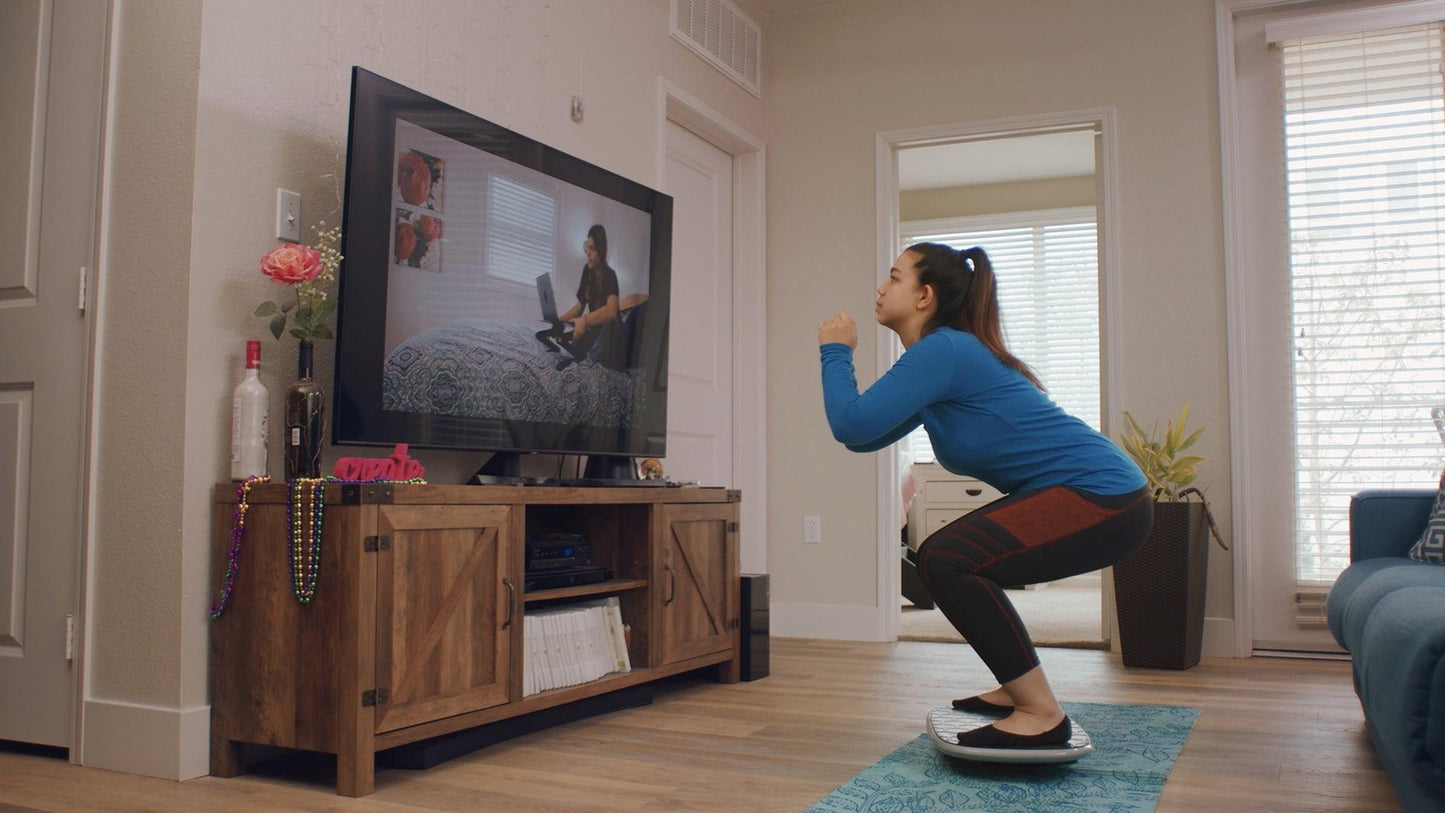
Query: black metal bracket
{"x": 366, "y": 494}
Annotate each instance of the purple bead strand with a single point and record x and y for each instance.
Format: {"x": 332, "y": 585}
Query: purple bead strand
{"x": 238, "y": 531}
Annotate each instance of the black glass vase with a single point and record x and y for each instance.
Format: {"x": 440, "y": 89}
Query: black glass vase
{"x": 305, "y": 416}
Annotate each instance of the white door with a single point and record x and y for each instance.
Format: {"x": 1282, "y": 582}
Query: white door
{"x": 52, "y": 69}
{"x": 699, "y": 177}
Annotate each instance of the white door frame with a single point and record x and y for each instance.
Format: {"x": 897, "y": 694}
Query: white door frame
{"x": 887, "y": 145}
{"x": 749, "y": 327}
{"x": 84, "y": 592}
{"x": 1237, "y": 309}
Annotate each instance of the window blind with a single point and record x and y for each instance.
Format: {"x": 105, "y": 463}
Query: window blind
{"x": 1365, "y": 191}
{"x": 521, "y": 230}
{"x": 1047, "y": 267}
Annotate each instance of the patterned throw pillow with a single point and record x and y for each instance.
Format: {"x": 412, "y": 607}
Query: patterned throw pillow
{"x": 1431, "y": 547}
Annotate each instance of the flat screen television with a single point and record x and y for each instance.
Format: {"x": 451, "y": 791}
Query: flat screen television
{"x": 468, "y": 252}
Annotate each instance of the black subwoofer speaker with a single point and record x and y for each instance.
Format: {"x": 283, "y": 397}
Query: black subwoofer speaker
{"x": 755, "y": 626}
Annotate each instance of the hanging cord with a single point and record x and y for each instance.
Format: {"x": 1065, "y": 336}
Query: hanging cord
{"x": 1213, "y": 529}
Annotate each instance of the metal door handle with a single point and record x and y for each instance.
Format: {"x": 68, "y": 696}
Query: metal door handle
{"x": 511, "y": 601}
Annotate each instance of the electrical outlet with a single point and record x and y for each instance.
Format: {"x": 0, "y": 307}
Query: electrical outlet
{"x": 288, "y": 215}
{"x": 812, "y": 528}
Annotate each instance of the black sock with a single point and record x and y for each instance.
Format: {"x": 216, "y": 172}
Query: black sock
{"x": 978, "y": 705}
{"x": 991, "y": 737}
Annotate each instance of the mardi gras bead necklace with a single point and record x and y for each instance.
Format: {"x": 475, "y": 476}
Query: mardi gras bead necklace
{"x": 238, "y": 530}
{"x": 305, "y": 511}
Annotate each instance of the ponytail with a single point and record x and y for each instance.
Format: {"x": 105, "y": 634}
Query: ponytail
{"x": 964, "y": 285}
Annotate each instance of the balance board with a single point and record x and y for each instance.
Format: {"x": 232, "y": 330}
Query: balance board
{"x": 945, "y": 723}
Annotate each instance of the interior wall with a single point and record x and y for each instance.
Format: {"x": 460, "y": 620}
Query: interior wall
{"x": 143, "y": 343}
{"x": 843, "y": 72}
{"x": 996, "y": 198}
{"x": 219, "y": 104}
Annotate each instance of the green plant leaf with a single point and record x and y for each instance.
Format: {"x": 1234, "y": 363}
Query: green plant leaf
{"x": 287, "y": 307}
{"x": 300, "y": 334}
{"x": 1175, "y": 433}
{"x": 277, "y": 325}
{"x": 303, "y": 315}
{"x": 1158, "y": 456}
{"x": 322, "y": 332}
{"x": 1134, "y": 426}
{"x": 1130, "y": 446}
{"x": 266, "y": 309}
{"x": 325, "y": 308}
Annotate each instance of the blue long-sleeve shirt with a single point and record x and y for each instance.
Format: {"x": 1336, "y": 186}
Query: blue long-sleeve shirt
{"x": 984, "y": 418}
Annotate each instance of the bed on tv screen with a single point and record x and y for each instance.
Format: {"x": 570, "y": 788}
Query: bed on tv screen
{"x": 496, "y": 294}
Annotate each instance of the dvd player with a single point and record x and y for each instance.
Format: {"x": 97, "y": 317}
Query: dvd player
{"x": 566, "y": 577}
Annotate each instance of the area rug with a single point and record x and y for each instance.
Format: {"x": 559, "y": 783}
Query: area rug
{"x": 1134, "y": 750}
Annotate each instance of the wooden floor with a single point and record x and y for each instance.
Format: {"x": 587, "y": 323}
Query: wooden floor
{"x": 1274, "y": 735}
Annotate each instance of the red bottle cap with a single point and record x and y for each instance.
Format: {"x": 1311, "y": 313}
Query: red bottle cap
{"x": 253, "y": 354}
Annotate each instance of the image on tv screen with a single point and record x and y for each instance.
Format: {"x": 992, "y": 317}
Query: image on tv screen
{"x": 511, "y": 295}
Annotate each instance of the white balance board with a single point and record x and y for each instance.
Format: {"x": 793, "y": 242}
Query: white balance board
{"x": 945, "y": 723}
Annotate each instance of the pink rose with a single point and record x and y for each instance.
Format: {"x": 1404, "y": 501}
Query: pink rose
{"x": 413, "y": 176}
{"x": 405, "y": 241}
{"x": 291, "y": 263}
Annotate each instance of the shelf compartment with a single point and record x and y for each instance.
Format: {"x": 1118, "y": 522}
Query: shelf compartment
{"x": 606, "y": 588}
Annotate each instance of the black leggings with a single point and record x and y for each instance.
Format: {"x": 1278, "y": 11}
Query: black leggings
{"x": 1040, "y": 536}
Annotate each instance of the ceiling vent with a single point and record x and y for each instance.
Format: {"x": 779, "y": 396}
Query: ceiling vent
{"x": 723, "y": 35}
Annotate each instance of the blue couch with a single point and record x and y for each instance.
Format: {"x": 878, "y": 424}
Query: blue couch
{"x": 1389, "y": 612}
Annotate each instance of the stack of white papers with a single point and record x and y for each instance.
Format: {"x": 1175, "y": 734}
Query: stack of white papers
{"x": 578, "y": 643}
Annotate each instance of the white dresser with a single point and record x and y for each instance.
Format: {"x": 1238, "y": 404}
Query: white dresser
{"x": 942, "y": 498}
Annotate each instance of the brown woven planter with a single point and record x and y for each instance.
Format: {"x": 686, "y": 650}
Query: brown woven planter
{"x": 1159, "y": 590}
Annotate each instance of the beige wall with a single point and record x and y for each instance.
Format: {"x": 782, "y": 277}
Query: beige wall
{"x": 217, "y": 105}
{"x": 136, "y": 601}
{"x": 996, "y": 198}
{"x": 841, "y": 73}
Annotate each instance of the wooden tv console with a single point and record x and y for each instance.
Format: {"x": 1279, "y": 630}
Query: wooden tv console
{"x": 415, "y": 628}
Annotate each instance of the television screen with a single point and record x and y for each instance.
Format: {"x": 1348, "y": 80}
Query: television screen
{"x": 496, "y": 294}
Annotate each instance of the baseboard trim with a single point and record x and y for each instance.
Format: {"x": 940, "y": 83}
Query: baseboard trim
{"x": 1219, "y": 639}
{"x": 841, "y": 622}
{"x": 155, "y": 741}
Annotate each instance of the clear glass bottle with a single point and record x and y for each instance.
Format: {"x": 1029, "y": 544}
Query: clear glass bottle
{"x": 250, "y": 408}
{"x": 305, "y": 415}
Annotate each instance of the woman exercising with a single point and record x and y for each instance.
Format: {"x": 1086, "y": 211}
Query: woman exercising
{"x": 1075, "y": 503}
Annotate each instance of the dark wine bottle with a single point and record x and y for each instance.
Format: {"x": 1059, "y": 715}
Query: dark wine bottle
{"x": 305, "y": 414}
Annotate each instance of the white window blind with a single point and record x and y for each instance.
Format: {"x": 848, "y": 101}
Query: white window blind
{"x": 521, "y": 230}
{"x": 1047, "y": 268}
{"x": 1365, "y": 176}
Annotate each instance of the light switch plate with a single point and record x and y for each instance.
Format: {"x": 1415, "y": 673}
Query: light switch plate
{"x": 288, "y": 215}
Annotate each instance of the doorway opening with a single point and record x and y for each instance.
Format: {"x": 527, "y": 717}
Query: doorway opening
{"x": 1037, "y": 195}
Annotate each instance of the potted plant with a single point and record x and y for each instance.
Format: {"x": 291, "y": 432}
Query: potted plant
{"x": 1159, "y": 589}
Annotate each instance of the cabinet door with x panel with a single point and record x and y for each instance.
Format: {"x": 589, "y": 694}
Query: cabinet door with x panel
{"x": 447, "y": 607}
{"x": 696, "y": 571}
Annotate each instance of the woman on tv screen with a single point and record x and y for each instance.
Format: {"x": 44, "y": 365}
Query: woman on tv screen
{"x": 594, "y": 317}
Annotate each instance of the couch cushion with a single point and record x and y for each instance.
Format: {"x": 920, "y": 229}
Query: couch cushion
{"x": 1378, "y": 584}
{"x": 1402, "y": 675}
{"x": 1345, "y": 586}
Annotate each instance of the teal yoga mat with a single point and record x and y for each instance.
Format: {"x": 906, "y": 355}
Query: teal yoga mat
{"x": 1134, "y": 750}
